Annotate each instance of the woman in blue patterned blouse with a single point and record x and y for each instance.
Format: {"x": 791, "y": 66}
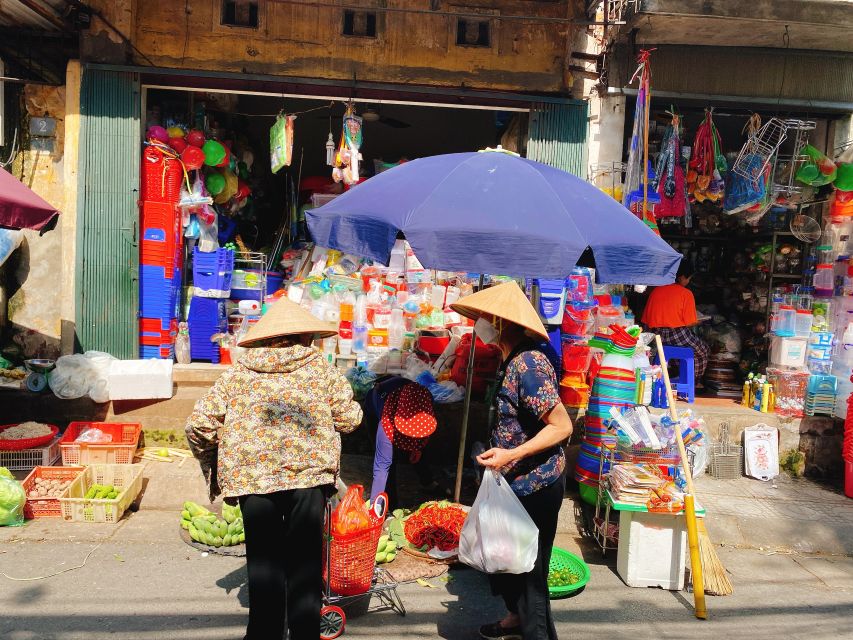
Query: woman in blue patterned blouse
{"x": 527, "y": 438}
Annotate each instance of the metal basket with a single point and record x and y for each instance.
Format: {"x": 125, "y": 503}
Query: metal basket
{"x": 725, "y": 459}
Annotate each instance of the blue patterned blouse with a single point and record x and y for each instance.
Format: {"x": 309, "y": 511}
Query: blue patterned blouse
{"x": 529, "y": 391}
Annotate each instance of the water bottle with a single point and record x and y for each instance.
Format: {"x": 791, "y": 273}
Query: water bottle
{"x": 182, "y": 344}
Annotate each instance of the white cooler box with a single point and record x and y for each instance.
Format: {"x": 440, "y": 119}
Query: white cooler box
{"x": 788, "y": 352}
{"x": 140, "y": 379}
{"x": 652, "y": 550}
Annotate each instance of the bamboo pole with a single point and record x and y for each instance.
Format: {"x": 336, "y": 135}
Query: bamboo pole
{"x": 689, "y": 503}
{"x": 460, "y": 461}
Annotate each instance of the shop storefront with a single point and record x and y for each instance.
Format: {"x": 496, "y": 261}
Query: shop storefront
{"x": 398, "y": 123}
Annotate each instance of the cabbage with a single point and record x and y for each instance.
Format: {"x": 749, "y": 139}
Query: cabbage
{"x": 12, "y": 499}
{"x": 5, "y": 473}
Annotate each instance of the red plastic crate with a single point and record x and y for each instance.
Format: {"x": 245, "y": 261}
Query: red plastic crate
{"x": 155, "y": 325}
{"x": 160, "y": 215}
{"x": 46, "y": 507}
{"x": 161, "y": 176}
{"x": 120, "y": 451}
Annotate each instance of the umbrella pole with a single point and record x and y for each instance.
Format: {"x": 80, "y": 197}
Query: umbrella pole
{"x": 469, "y": 382}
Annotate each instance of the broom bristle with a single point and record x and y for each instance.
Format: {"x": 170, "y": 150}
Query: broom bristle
{"x": 714, "y": 574}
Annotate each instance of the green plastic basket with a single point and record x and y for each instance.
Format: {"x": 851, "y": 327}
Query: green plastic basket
{"x": 562, "y": 559}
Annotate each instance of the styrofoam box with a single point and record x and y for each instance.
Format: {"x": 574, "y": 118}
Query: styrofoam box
{"x": 788, "y": 352}
{"x": 652, "y": 550}
{"x": 140, "y": 379}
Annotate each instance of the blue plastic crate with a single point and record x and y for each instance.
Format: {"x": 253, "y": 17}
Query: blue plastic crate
{"x": 213, "y": 260}
{"x": 167, "y": 352}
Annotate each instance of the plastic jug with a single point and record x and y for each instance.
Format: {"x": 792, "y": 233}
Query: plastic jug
{"x": 787, "y": 322}
{"x": 803, "y": 323}
{"x": 824, "y": 281}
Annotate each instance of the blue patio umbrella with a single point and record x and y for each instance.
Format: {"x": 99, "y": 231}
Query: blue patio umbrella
{"x": 494, "y": 213}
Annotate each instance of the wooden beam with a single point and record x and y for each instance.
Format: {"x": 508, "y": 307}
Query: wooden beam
{"x": 47, "y": 14}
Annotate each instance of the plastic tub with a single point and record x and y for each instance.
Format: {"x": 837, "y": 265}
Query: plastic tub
{"x": 787, "y": 322}
{"x": 576, "y": 357}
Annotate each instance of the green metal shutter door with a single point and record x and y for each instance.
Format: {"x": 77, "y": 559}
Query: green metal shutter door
{"x": 557, "y": 136}
{"x": 107, "y": 248}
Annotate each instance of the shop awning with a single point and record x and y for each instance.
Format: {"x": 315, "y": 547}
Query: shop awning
{"x": 21, "y": 207}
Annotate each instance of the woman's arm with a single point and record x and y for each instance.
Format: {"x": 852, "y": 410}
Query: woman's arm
{"x": 558, "y": 428}
{"x": 202, "y": 430}
{"x": 346, "y": 412}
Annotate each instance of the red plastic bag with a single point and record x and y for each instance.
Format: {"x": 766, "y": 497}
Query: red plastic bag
{"x": 351, "y": 515}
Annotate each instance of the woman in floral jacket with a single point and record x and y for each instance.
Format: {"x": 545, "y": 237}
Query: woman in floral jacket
{"x": 267, "y": 434}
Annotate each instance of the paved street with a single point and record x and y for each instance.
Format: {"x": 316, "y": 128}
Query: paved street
{"x": 141, "y": 582}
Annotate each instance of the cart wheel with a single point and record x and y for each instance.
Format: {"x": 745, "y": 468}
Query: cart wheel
{"x": 332, "y": 622}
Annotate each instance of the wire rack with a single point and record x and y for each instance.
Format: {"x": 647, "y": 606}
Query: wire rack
{"x": 759, "y": 150}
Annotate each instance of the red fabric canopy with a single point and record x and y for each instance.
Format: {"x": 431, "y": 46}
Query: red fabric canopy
{"x": 21, "y": 207}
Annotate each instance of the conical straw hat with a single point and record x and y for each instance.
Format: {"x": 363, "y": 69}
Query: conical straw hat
{"x": 505, "y": 301}
{"x": 286, "y": 318}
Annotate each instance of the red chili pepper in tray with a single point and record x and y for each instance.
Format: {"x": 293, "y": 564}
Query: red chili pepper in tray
{"x": 436, "y": 524}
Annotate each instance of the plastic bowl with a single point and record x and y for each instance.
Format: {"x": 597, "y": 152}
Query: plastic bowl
{"x": 562, "y": 559}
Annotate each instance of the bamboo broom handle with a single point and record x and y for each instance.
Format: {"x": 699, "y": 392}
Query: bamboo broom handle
{"x": 699, "y": 607}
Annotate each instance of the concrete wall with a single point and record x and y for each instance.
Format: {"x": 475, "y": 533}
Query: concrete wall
{"x": 306, "y": 41}
{"x": 32, "y": 271}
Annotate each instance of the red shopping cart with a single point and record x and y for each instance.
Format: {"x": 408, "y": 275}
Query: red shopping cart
{"x": 351, "y": 573}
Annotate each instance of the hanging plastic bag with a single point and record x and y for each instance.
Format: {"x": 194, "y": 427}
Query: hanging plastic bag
{"x": 10, "y": 239}
{"x": 12, "y": 500}
{"x": 498, "y": 535}
{"x": 208, "y": 236}
{"x": 351, "y": 515}
{"x": 818, "y": 170}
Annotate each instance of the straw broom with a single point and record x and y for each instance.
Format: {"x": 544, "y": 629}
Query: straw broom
{"x": 712, "y": 575}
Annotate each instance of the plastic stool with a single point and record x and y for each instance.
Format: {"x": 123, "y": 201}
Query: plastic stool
{"x": 685, "y": 384}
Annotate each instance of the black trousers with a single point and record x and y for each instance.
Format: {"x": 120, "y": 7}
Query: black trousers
{"x": 284, "y": 558}
{"x": 526, "y": 594}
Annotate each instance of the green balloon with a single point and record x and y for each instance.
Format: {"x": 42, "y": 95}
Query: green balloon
{"x": 214, "y": 153}
{"x": 215, "y": 183}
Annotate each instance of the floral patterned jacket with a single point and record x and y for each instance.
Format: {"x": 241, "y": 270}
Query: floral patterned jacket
{"x": 271, "y": 422}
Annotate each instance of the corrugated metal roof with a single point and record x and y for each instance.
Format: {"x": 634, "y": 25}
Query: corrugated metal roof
{"x": 775, "y": 74}
{"x": 14, "y": 13}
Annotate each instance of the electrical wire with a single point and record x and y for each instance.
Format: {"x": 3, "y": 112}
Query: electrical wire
{"x": 283, "y": 112}
{"x": 57, "y": 573}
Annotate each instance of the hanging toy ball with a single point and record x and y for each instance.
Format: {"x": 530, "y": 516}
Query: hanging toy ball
{"x": 215, "y": 183}
{"x": 214, "y": 153}
{"x": 176, "y": 132}
{"x": 224, "y": 164}
{"x": 243, "y": 190}
{"x": 192, "y": 157}
{"x": 195, "y": 138}
{"x": 178, "y": 144}
{"x": 158, "y": 133}
{"x": 242, "y": 170}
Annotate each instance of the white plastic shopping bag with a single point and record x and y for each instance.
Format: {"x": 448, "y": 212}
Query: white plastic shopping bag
{"x": 498, "y": 535}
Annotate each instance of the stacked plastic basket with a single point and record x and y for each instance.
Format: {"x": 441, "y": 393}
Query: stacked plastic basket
{"x": 847, "y": 449}
{"x": 615, "y": 386}
{"x": 160, "y": 254}
{"x": 207, "y": 317}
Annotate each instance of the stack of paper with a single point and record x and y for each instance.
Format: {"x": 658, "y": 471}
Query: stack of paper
{"x": 633, "y": 483}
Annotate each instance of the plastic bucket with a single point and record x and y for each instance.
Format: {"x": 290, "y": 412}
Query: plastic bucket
{"x": 576, "y": 357}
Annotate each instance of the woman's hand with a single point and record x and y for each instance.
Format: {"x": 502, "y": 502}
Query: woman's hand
{"x": 497, "y": 458}
{"x": 231, "y": 502}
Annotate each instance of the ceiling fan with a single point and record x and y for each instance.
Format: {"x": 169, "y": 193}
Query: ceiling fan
{"x": 372, "y": 114}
